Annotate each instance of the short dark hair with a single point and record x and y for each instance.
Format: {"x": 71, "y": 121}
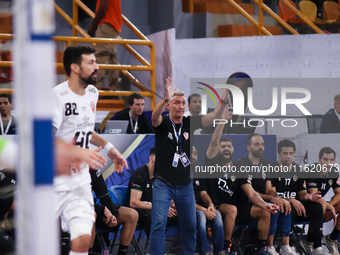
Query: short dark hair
{"x": 285, "y": 143}
{"x": 193, "y": 95}
{"x": 134, "y": 96}
{"x": 225, "y": 139}
{"x": 153, "y": 151}
{"x": 73, "y": 55}
{"x": 8, "y": 96}
{"x": 238, "y": 77}
{"x": 326, "y": 150}
{"x": 251, "y": 136}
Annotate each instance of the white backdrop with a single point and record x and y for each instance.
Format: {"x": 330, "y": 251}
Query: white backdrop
{"x": 288, "y": 56}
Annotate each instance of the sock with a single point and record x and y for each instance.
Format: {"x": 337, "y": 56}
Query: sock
{"x": 227, "y": 244}
{"x": 261, "y": 244}
{"x": 78, "y": 253}
{"x": 122, "y": 250}
{"x": 285, "y": 247}
{"x": 335, "y": 234}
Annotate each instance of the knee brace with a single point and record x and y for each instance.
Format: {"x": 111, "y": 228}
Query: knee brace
{"x": 80, "y": 229}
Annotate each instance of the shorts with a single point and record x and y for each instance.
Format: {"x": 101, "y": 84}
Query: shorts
{"x": 100, "y": 224}
{"x": 243, "y": 213}
{"x": 75, "y": 206}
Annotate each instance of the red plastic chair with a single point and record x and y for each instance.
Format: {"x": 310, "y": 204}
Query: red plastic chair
{"x": 287, "y": 14}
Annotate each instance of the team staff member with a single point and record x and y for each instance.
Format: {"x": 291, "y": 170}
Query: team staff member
{"x": 172, "y": 169}
{"x": 331, "y": 120}
{"x": 73, "y": 119}
{"x": 285, "y": 190}
{"x": 303, "y": 204}
{"x": 206, "y": 213}
{"x": 138, "y": 123}
{"x": 230, "y": 194}
{"x": 7, "y": 121}
{"x": 139, "y": 195}
{"x": 194, "y": 104}
{"x": 255, "y": 160}
{"x": 323, "y": 184}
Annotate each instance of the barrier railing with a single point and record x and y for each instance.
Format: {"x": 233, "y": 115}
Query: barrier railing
{"x": 189, "y": 7}
{"x": 145, "y": 65}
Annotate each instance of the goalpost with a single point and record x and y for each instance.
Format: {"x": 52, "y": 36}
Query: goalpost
{"x": 34, "y": 77}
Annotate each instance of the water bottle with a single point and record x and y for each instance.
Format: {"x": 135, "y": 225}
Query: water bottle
{"x": 210, "y": 240}
{"x": 105, "y": 250}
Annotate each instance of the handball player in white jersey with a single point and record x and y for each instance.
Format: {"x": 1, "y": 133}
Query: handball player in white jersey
{"x": 73, "y": 120}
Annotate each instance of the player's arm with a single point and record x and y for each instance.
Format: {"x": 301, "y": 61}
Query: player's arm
{"x": 298, "y": 206}
{"x": 217, "y": 113}
{"x": 207, "y": 200}
{"x": 215, "y": 139}
{"x": 99, "y": 16}
{"x": 284, "y": 205}
{"x": 281, "y": 203}
{"x": 136, "y": 202}
{"x": 68, "y": 155}
{"x": 156, "y": 117}
{"x": 269, "y": 194}
{"x": 328, "y": 209}
{"x": 309, "y": 196}
{"x": 325, "y": 204}
{"x": 336, "y": 198}
{"x": 210, "y": 212}
{"x": 270, "y": 190}
{"x": 256, "y": 199}
{"x": 201, "y": 208}
{"x": 112, "y": 152}
{"x": 304, "y": 196}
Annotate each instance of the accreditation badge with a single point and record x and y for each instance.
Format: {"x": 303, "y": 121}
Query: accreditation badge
{"x": 175, "y": 160}
{"x": 184, "y": 159}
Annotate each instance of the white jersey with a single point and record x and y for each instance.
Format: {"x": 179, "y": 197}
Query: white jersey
{"x": 74, "y": 118}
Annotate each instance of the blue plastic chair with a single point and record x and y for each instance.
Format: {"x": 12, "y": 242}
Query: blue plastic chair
{"x": 117, "y": 194}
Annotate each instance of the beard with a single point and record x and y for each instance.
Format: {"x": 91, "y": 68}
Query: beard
{"x": 91, "y": 79}
{"x": 227, "y": 159}
{"x": 257, "y": 154}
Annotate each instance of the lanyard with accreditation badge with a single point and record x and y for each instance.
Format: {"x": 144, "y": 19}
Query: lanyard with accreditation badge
{"x": 134, "y": 128}
{"x": 179, "y": 154}
{"x": 4, "y": 132}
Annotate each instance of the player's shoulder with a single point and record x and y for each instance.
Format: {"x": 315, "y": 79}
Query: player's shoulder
{"x": 140, "y": 174}
{"x": 61, "y": 89}
{"x": 92, "y": 89}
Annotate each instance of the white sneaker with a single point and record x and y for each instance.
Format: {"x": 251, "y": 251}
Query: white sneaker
{"x": 271, "y": 250}
{"x": 331, "y": 245}
{"x": 306, "y": 246}
{"x": 290, "y": 251}
{"x": 320, "y": 251}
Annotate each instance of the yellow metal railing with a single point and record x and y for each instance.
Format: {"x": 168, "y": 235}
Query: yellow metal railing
{"x": 263, "y": 7}
{"x": 145, "y": 65}
{"x": 189, "y": 7}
